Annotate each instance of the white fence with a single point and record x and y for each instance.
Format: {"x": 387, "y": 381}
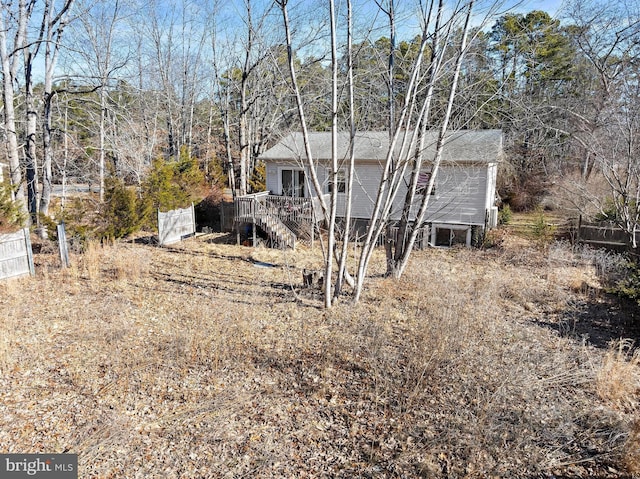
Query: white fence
{"x": 176, "y": 225}
{"x": 16, "y": 256}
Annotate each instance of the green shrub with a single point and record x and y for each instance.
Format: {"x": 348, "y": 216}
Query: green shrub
{"x": 120, "y": 210}
{"x": 171, "y": 185}
{"x": 608, "y": 212}
{"x": 80, "y": 218}
{"x": 541, "y": 230}
{"x": 216, "y": 175}
{"x": 505, "y": 215}
{"x": 12, "y": 216}
{"x": 258, "y": 180}
{"x": 627, "y": 283}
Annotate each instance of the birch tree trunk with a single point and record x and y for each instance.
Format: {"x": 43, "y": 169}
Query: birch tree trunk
{"x": 31, "y": 162}
{"x": 344, "y": 254}
{"x": 398, "y": 254}
{"x": 403, "y": 252}
{"x": 9, "y": 60}
{"x": 310, "y": 162}
{"x": 29, "y": 53}
{"x": 331, "y": 233}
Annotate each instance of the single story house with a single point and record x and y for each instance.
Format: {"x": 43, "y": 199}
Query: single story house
{"x": 463, "y": 200}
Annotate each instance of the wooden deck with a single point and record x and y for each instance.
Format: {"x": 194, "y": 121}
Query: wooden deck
{"x": 282, "y": 218}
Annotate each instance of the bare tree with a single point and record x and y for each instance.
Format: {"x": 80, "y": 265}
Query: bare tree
{"x": 29, "y": 52}
{"x": 406, "y": 154}
{"x": 601, "y": 123}
{"x": 12, "y": 21}
{"x": 55, "y": 24}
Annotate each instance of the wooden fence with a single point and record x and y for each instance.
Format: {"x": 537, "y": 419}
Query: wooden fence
{"x": 176, "y": 225}
{"x": 16, "y": 256}
{"x": 605, "y": 235}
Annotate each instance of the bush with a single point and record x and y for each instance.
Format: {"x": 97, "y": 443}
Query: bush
{"x": 81, "y": 217}
{"x": 628, "y": 286}
{"x": 216, "y": 175}
{"x": 505, "y": 215}
{"x": 171, "y": 185}
{"x": 542, "y": 231}
{"x": 258, "y": 180}
{"x": 121, "y": 211}
{"x": 208, "y": 210}
{"x": 11, "y": 215}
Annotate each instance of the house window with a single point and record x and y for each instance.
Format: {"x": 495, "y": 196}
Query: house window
{"x": 449, "y": 235}
{"x": 292, "y": 182}
{"x": 340, "y": 182}
{"x": 423, "y": 183}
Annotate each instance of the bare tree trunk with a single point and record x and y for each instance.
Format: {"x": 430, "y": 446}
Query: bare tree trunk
{"x": 223, "y": 102}
{"x": 243, "y": 138}
{"x": 9, "y": 69}
{"x": 101, "y": 138}
{"x": 29, "y": 53}
{"x": 310, "y": 162}
{"x": 31, "y": 162}
{"x": 392, "y": 172}
{"x": 10, "y": 125}
{"x": 402, "y": 259}
{"x": 331, "y": 233}
{"x": 344, "y": 254}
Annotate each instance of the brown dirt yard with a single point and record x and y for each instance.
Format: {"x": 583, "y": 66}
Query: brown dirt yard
{"x": 210, "y": 360}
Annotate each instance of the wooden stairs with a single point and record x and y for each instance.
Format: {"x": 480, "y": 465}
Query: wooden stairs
{"x": 250, "y": 210}
{"x": 279, "y": 233}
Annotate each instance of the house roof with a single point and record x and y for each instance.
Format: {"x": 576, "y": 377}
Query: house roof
{"x": 471, "y": 146}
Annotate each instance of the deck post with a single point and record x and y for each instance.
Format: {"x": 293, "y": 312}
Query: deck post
{"x": 253, "y": 222}
{"x": 313, "y": 224}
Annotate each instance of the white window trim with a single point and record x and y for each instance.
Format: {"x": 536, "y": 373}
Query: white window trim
{"x": 292, "y": 168}
{"x": 344, "y": 177}
{"x": 436, "y": 226}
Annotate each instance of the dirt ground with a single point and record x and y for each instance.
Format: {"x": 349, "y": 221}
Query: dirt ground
{"x": 207, "y": 360}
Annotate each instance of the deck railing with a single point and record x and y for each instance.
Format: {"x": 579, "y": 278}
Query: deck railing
{"x": 246, "y": 205}
{"x": 253, "y": 209}
{"x": 295, "y": 214}
{"x": 287, "y": 208}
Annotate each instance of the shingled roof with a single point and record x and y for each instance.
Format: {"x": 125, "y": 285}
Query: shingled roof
{"x": 467, "y": 146}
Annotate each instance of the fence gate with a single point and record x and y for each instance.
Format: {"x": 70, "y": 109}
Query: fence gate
{"x": 16, "y": 256}
{"x": 176, "y": 225}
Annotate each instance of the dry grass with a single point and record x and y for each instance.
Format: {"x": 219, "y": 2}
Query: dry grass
{"x": 198, "y": 361}
{"x": 618, "y": 380}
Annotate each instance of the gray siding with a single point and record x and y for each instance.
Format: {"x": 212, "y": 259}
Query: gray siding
{"x": 460, "y": 195}
{"x": 273, "y": 176}
{"x": 465, "y": 186}
{"x": 461, "y": 192}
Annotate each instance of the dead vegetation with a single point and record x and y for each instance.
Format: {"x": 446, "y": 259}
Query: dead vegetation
{"x": 211, "y": 360}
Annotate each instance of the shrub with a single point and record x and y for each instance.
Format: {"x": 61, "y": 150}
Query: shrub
{"x": 120, "y": 211}
{"x": 541, "y": 230}
{"x": 216, "y": 175}
{"x": 171, "y": 185}
{"x": 505, "y": 215}
{"x": 608, "y": 211}
{"x": 628, "y": 286}
{"x": 11, "y": 215}
{"x": 258, "y": 180}
{"x": 81, "y": 217}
